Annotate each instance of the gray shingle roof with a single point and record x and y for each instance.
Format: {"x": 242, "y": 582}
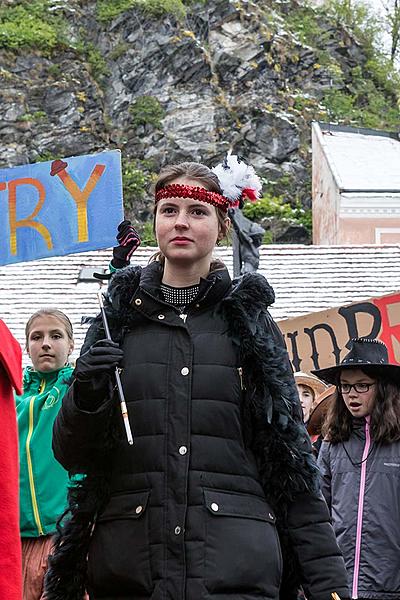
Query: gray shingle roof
{"x": 305, "y": 278}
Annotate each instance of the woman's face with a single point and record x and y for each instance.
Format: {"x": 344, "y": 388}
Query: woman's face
{"x": 306, "y": 396}
{"x": 48, "y": 344}
{"x": 360, "y": 404}
{"x": 186, "y": 229}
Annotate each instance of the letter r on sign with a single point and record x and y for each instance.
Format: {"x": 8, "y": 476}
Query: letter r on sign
{"x": 28, "y": 221}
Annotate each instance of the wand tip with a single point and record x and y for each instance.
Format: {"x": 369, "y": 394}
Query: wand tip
{"x": 100, "y": 298}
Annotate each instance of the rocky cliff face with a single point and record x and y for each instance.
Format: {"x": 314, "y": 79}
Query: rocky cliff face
{"x": 229, "y": 74}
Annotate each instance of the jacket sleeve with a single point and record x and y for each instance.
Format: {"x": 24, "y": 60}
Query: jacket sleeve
{"x": 312, "y": 537}
{"x": 82, "y": 426}
{"x": 325, "y": 470}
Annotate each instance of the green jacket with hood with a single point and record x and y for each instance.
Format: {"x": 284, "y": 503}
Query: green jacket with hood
{"x": 43, "y": 481}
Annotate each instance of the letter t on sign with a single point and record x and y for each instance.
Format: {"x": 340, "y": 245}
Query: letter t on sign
{"x": 80, "y": 197}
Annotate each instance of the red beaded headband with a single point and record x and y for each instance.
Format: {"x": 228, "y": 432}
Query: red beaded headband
{"x": 176, "y": 190}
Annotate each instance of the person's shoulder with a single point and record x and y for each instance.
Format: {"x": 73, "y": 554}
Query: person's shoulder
{"x": 254, "y": 286}
{"x": 122, "y": 284}
{"x": 27, "y": 380}
{"x": 65, "y": 374}
{"x": 329, "y": 448}
{"x": 125, "y": 277}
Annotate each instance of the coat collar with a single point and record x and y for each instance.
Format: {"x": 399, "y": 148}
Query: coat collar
{"x": 124, "y": 286}
{"x": 32, "y": 377}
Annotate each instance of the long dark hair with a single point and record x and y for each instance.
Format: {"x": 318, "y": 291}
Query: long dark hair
{"x": 385, "y": 414}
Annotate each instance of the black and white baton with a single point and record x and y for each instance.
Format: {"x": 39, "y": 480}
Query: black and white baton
{"x": 122, "y": 402}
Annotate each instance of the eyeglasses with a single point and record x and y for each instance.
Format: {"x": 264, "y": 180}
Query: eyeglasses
{"x": 360, "y": 388}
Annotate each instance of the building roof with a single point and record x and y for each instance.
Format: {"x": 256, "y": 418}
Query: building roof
{"x": 305, "y": 278}
{"x": 361, "y": 160}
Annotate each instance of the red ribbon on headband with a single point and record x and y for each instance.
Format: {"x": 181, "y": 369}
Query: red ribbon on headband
{"x": 177, "y": 190}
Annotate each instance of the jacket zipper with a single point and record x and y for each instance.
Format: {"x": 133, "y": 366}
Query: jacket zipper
{"x": 240, "y": 371}
{"x": 361, "y": 508}
{"x": 29, "y": 461}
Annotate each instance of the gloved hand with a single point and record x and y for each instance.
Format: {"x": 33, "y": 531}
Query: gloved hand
{"x": 128, "y": 239}
{"x": 93, "y": 372}
{"x": 101, "y": 359}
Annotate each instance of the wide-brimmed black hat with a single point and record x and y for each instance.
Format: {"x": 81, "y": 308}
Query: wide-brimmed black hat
{"x": 364, "y": 352}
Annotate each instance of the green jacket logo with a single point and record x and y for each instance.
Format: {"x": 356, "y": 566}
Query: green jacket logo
{"x": 51, "y": 400}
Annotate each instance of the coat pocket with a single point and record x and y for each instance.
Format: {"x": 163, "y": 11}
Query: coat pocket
{"x": 119, "y": 552}
{"x": 242, "y": 550}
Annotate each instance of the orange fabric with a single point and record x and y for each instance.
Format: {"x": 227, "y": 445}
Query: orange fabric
{"x": 10, "y": 545}
{"x": 35, "y": 552}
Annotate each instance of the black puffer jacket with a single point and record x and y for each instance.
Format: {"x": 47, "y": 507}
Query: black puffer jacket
{"x": 193, "y": 504}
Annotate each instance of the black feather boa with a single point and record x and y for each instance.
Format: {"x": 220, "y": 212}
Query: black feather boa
{"x": 272, "y": 426}
{"x": 66, "y": 575}
{"x": 271, "y": 413}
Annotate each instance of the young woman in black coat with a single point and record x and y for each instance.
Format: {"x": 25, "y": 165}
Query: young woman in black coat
{"x": 220, "y": 481}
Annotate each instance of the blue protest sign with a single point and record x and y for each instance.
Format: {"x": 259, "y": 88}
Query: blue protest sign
{"x": 60, "y": 207}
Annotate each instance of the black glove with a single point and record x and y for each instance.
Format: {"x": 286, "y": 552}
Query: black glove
{"x": 93, "y": 372}
{"x": 101, "y": 359}
{"x": 128, "y": 239}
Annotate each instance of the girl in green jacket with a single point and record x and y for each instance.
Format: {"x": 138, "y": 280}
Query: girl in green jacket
{"x": 43, "y": 482}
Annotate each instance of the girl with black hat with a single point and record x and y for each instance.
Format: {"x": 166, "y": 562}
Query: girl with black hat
{"x": 221, "y": 461}
{"x": 360, "y": 465}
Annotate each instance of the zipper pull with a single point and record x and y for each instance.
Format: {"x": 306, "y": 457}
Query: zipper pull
{"x": 240, "y": 371}
{"x": 183, "y": 317}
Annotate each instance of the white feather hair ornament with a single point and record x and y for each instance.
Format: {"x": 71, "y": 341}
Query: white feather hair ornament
{"x": 238, "y": 181}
